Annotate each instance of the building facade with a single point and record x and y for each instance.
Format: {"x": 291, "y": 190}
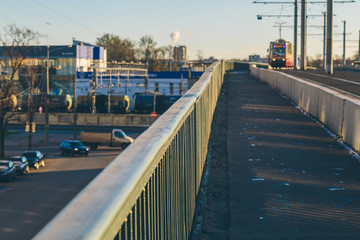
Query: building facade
{"x": 65, "y": 62}
{"x": 180, "y": 53}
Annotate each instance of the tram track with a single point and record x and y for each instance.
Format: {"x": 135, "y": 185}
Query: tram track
{"x": 345, "y": 82}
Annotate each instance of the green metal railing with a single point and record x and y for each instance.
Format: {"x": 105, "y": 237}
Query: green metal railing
{"x": 149, "y": 191}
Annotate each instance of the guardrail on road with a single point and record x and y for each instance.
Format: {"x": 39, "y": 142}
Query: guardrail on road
{"x": 149, "y": 191}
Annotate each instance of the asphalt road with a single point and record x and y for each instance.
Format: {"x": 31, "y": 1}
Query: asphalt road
{"x": 32, "y": 200}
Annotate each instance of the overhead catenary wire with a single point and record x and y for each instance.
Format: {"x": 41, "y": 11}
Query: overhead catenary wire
{"x": 66, "y": 18}
{"x": 304, "y": 19}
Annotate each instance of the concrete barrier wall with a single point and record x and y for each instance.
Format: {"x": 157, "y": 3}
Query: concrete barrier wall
{"x": 351, "y": 123}
{"x": 337, "y": 111}
{"x": 87, "y": 119}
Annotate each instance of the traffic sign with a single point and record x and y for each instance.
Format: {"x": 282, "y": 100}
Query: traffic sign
{"x": 153, "y": 115}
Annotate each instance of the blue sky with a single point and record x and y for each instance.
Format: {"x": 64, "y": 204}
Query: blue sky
{"x": 223, "y": 29}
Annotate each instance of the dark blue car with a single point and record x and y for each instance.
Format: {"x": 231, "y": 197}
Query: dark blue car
{"x": 35, "y": 159}
{"x": 7, "y": 170}
{"x": 21, "y": 164}
{"x": 73, "y": 147}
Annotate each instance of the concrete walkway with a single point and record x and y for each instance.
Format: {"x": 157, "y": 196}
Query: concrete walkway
{"x": 286, "y": 177}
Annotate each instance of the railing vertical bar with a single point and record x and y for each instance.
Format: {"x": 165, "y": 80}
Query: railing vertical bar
{"x": 131, "y": 224}
{"x": 176, "y": 188}
{"x": 168, "y": 193}
{"x": 156, "y": 209}
{"x": 181, "y": 183}
{"x": 143, "y": 214}
{"x": 152, "y": 205}
{"x": 135, "y": 220}
{"x": 139, "y": 217}
{"x": 160, "y": 200}
{"x": 148, "y": 215}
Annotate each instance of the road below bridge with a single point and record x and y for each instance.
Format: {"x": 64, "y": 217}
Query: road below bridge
{"x": 29, "y": 202}
{"x": 275, "y": 173}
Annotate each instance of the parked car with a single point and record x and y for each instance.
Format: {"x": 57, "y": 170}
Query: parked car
{"x": 35, "y": 158}
{"x": 21, "y": 164}
{"x": 7, "y": 170}
{"x": 73, "y": 147}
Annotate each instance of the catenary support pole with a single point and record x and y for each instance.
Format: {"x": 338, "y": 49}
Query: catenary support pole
{"x": 324, "y": 46}
{"x": 344, "y": 44}
{"x": 329, "y": 40}
{"x": 303, "y": 34}
{"x": 295, "y": 33}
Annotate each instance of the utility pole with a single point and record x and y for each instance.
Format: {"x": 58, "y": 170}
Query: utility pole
{"x": 344, "y": 43}
{"x": 46, "y": 125}
{"x": 324, "y": 47}
{"x": 30, "y": 107}
{"x": 127, "y": 81}
{"x": 329, "y": 40}
{"x": 303, "y": 63}
{"x": 109, "y": 98}
{"x": 154, "y": 104}
{"x": 93, "y": 92}
{"x": 295, "y": 33}
{"x": 75, "y": 114}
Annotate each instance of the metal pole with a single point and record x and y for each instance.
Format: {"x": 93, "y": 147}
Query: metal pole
{"x": 108, "y": 100}
{"x": 324, "y": 47}
{"x": 30, "y": 107}
{"x": 329, "y": 42}
{"x": 295, "y": 33}
{"x": 154, "y": 106}
{"x": 126, "y": 82}
{"x": 344, "y": 44}
{"x": 75, "y": 113}
{"x": 303, "y": 34}
{"x": 30, "y": 132}
{"x": 359, "y": 47}
{"x": 93, "y": 96}
{"x": 46, "y": 125}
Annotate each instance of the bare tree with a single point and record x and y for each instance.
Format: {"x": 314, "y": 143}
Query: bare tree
{"x": 147, "y": 46}
{"x": 200, "y": 55}
{"x": 159, "y": 54}
{"x": 169, "y": 51}
{"x": 15, "y": 42}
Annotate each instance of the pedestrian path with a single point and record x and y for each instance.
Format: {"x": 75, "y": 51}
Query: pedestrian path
{"x": 288, "y": 178}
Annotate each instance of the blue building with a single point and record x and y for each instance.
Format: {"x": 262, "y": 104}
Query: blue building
{"x": 65, "y": 62}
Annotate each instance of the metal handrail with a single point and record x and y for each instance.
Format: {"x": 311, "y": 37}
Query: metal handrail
{"x": 149, "y": 191}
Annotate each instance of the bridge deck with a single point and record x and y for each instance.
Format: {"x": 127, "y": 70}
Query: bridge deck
{"x": 285, "y": 177}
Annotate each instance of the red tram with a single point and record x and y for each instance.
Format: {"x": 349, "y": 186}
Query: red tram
{"x": 281, "y": 54}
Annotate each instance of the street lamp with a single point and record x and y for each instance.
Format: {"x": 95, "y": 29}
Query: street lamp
{"x": 46, "y": 125}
